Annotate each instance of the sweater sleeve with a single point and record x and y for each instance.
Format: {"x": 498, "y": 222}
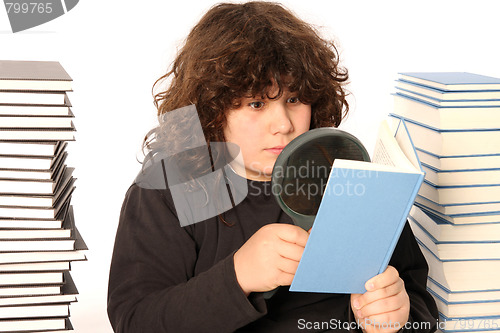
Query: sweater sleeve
{"x": 151, "y": 283}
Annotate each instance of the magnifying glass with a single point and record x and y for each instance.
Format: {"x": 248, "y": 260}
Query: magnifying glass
{"x": 302, "y": 169}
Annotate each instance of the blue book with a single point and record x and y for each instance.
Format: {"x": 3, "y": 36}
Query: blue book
{"x": 459, "y": 162}
{"x": 448, "y": 95}
{"x": 452, "y": 142}
{"x": 459, "y": 210}
{"x": 447, "y": 118}
{"x": 453, "y": 81}
{"x": 361, "y": 216}
{"x": 448, "y": 103}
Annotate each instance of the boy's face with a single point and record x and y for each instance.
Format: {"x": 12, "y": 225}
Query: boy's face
{"x": 262, "y": 128}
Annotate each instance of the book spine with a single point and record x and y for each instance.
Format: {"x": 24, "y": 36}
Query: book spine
{"x": 402, "y": 223}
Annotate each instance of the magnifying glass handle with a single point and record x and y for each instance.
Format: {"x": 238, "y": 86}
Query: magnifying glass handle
{"x": 270, "y": 293}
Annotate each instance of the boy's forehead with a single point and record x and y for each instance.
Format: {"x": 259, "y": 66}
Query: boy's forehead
{"x": 271, "y": 90}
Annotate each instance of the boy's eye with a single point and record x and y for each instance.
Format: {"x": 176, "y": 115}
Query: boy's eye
{"x": 256, "y": 105}
{"x": 293, "y": 100}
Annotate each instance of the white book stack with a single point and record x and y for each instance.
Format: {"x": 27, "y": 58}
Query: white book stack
{"x": 454, "y": 122}
{"x": 38, "y": 237}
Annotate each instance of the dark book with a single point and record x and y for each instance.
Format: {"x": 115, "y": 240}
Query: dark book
{"x": 40, "y": 201}
{"x": 33, "y": 75}
{"x": 9, "y": 121}
{"x": 35, "y": 325}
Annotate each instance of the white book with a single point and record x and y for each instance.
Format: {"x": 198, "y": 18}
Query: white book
{"x": 42, "y": 148}
{"x": 61, "y": 134}
{"x": 462, "y": 162}
{"x": 33, "y": 75}
{"x": 467, "y": 309}
{"x": 453, "y": 81}
{"x": 36, "y": 267}
{"x": 453, "y": 143}
{"x": 447, "y": 117}
{"x": 13, "y": 279}
{"x": 448, "y": 95}
{"x": 36, "y": 186}
{"x": 36, "y": 110}
{"x": 30, "y": 291}
{"x": 48, "y": 201}
{"x": 36, "y": 325}
{"x": 463, "y": 275}
{"x": 34, "y": 311}
{"x": 464, "y": 296}
{"x": 49, "y": 299}
{"x": 33, "y": 98}
{"x": 32, "y": 257}
{"x": 24, "y": 162}
{"x": 35, "y": 122}
{"x": 460, "y": 177}
{"x": 463, "y": 250}
{"x": 37, "y": 245}
{"x": 471, "y": 194}
{"x": 11, "y": 223}
{"x": 485, "y": 208}
{"x": 464, "y": 219}
{"x": 449, "y": 103}
{"x": 446, "y": 231}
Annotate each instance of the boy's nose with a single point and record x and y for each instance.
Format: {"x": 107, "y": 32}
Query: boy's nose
{"x": 281, "y": 122}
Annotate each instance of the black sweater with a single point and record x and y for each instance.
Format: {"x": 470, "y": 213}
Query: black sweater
{"x": 168, "y": 278}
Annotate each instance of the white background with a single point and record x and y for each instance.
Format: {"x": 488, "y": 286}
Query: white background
{"x": 115, "y": 50}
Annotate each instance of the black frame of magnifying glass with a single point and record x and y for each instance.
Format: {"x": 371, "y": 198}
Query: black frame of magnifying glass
{"x": 302, "y": 220}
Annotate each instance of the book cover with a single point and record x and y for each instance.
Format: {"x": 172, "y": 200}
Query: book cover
{"x": 32, "y": 98}
{"x": 360, "y": 218}
{"x": 458, "y": 250}
{"x": 42, "y": 148}
{"x": 438, "y": 177}
{"x": 459, "y": 219}
{"x": 457, "y": 210}
{"x": 461, "y": 162}
{"x": 20, "y": 109}
{"x": 464, "y": 296}
{"x": 453, "y": 81}
{"x": 33, "y": 257}
{"x": 35, "y": 325}
{"x": 444, "y": 230}
{"x": 448, "y": 95}
{"x": 462, "y": 275}
{"x": 452, "y": 143}
{"x": 452, "y": 118}
{"x": 66, "y": 185}
{"x": 33, "y": 75}
{"x": 448, "y": 103}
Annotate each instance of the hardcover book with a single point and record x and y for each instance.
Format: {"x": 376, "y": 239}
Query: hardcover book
{"x": 355, "y": 233}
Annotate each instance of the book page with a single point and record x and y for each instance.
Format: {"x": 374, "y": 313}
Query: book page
{"x": 388, "y": 151}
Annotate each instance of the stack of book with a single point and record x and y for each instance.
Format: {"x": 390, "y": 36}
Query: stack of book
{"x": 454, "y": 122}
{"x": 38, "y": 237}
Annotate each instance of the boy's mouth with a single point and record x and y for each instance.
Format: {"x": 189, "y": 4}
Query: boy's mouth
{"x": 275, "y": 150}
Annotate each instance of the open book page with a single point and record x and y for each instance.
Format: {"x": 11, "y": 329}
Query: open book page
{"x": 395, "y": 151}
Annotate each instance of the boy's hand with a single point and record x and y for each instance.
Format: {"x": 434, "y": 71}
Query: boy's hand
{"x": 270, "y": 257}
{"x": 385, "y": 306}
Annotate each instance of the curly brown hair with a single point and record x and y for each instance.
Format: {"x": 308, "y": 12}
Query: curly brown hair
{"x": 241, "y": 50}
